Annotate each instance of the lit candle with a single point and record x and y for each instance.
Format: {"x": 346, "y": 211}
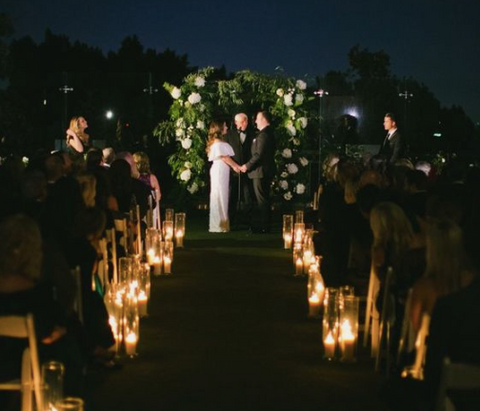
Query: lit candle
{"x": 142, "y": 304}
{"x": 307, "y": 258}
{"x": 131, "y": 344}
{"x": 299, "y": 266}
{"x": 299, "y": 235}
{"x": 179, "y": 238}
{"x": 150, "y": 256}
{"x": 314, "y": 305}
{"x": 329, "y": 345}
{"x": 347, "y": 341}
{"x": 287, "y": 241}
{"x": 167, "y": 265}
{"x": 157, "y": 265}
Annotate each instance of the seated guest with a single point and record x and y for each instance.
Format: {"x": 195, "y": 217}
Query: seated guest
{"x": 447, "y": 270}
{"x": 23, "y": 291}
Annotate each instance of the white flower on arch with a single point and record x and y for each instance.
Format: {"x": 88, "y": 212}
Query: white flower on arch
{"x": 288, "y": 99}
{"x": 193, "y": 188}
{"x": 299, "y": 98}
{"x": 291, "y": 113}
{"x": 283, "y": 184}
{"x": 303, "y": 161}
{"x": 301, "y": 84}
{"x": 187, "y": 143}
{"x": 280, "y": 92}
{"x": 287, "y": 153}
{"x": 176, "y": 93}
{"x": 199, "y": 81}
{"x": 179, "y": 133}
{"x": 292, "y": 168}
{"x": 288, "y": 196}
{"x": 194, "y": 98}
{"x": 185, "y": 175}
{"x": 303, "y": 122}
{"x": 300, "y": 188}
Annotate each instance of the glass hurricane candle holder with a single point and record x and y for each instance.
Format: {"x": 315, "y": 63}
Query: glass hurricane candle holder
{"x": 168, "y": 230}
{"x": 287, "y": 231}
{"x": 330, "y": 323}
{"x": 125, "y": 269}
{"x": 315, "y": 290}
{"x": 348, "y": 328}
{"x": 179, "y": 229}
{"x": 299, "y": 232}
{"x": 168, "y": 257}
{"x": 169, "y": 214}
{"x": 70, "y": 404}
{"x": 53, "y": 373}
{"x": 132, "y": 326}
{"x": 299, "y": 216}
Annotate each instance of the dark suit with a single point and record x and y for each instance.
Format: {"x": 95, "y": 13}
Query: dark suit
{"x": 261, "y": 170}
{"x": 239, "y": 184}
{"x": 393, "y": 148}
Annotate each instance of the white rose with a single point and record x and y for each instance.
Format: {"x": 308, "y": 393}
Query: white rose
{"x": 187, "y": 104}
{"x": 187, "y": 143}
{"x": 287, "y": 153}
{"x": 292, "y": 168}
{"x": 284, "y": 174}
{"x": 201, "y": 108}
{"x": 193, "y": 188}
{"x": 185, "y": 175}
{"x": 301, "y": 85}
{"x": 291, "y": 129}
{"x": 180, "y": 123}
{"x": 179, "y": 132}
{"x": 194, "y": 98}
{"x": 199, "y": 81}
{"x": 200, "y": 125}
{"x": 25, "y": 160}
{"x": 300, "y": 188}
{"x": 288, "y": 99}
{"x": 283, "y": 184}
{"x": 303, "y": 122}
{"x": 303, "y": 161}
{"x": 296, "y": 142}
{"x": 291, "y": 113}
{"x": 288, "y": 196}
{"x": 188, "y": 164}
{"x": 299, "y": 98}
{"x": 176, "y": 93}
{"x": 280, "y": 92}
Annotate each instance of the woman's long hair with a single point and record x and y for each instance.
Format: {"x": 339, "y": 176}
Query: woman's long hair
{"x": 446, "y": 258}
{"x": 74, "y": 125}
{"x": 215, "y": 132}
{"x": 391, "y": 230}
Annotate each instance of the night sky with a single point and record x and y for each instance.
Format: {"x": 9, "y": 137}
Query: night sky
{"x": 435, "y": 41}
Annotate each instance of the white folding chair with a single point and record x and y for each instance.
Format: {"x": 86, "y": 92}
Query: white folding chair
{"x": 416, "y": 370}
{"x": 407, "y": 336}
{"x": 372, "y": 316}
{"x": 386, "y": 322}
{"x": 22, "y": 327}
{"x": 456, "y": 376}
{"x": 121, "y": 226}
{"x": 78, "y": 303}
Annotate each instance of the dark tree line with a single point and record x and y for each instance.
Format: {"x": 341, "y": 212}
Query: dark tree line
{"x": 374, "y": 90}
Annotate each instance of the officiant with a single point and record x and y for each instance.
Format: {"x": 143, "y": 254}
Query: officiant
{"x": 240, "y": 199}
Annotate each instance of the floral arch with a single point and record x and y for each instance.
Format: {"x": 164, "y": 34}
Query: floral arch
{"x": 199, "y": 99}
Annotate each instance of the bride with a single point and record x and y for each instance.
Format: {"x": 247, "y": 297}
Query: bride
{"x": 220, "y": 153}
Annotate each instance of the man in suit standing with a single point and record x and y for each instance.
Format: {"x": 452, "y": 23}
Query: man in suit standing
{"x": 240, "y": 139}
{"x": 393, "y": 147}
{"x": 261, "y": 169}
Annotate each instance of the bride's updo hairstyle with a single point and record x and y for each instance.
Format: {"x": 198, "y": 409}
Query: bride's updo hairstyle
{"x": 214, "y": 133}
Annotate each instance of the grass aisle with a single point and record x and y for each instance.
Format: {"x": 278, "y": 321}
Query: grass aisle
{"x": 228, "y": 331}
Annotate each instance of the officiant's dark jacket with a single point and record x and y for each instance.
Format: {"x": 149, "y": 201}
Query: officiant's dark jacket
{"x": 242, "y": 151}
{"x": 394, "y": 148}
{"x": 262, "y": 162}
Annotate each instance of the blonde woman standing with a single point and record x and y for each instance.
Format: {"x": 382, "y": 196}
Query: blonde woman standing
{"x": 77, "y": 139}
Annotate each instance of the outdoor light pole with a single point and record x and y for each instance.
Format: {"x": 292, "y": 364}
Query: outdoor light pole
{"x": 150, "y": 91}
{"x": 65, "y": 89}
{"x": 320, "y": 93}
{"x": 406, "y": 95}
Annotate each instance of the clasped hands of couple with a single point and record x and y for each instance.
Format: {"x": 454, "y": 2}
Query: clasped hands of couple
{"x": 240, "y": 169}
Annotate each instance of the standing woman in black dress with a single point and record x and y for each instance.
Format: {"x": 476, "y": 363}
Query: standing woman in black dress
{"x": 77, "y": 140}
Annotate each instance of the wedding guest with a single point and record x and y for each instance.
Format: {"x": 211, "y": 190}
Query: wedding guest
{"x": 77, "y": 140}
{"x": 394, "y": 146}
{"x": 145, "y": 174}
{"x": 261, "y": 169}
{"x": 220, "y": 154}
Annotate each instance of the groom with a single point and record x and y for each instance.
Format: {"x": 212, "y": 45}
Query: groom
{"x": 261, "y": 169}
{"x": 240, "y": 138}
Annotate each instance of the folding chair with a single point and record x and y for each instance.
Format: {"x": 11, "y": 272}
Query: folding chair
{"x": 386, "y": 323}
{"x": 416, "y": 370}
{"x": 22, "y": 327}
{"x": 372, "y": 315}
{"x": 456, "y": 376}
{"x": 407, "y": 337}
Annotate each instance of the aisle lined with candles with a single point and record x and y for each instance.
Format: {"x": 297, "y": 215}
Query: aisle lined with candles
{"x": 231, "y": 328}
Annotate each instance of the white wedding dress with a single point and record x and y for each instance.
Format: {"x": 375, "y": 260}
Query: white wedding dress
{"x": 219, "y": 187}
